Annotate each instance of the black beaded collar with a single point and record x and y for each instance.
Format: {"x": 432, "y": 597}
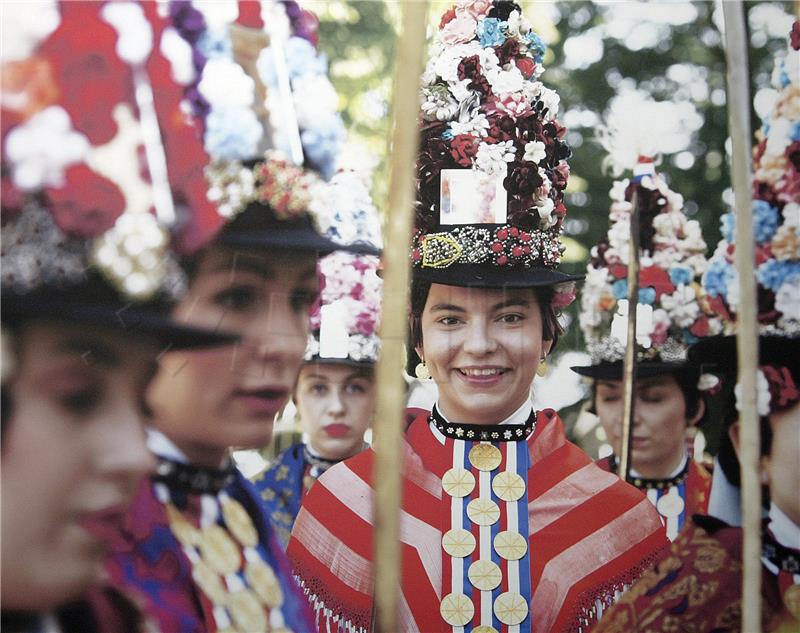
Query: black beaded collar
{"x": 784, "y": 558}
{"x": 484, "y": 432}
{"x": 654, "y": 484}
{"x": 191, "y": 478}
{"x": 320, "y": 462}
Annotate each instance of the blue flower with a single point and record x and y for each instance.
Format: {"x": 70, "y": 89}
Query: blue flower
{"x": 765, "y": 220}
{"x": 490, "y": 32}
{"x": 232, "y": 133}
{"x": 215, "y": 43}
{"x": 681, "y": 275}
{"x": 620, "y": 289}
{"x": 795, "y": 133}
{"x": 773, "y": 274}
{"x": 688, "y": 337}
{"x": 647, "y": 295}
{"x": 728, "y": 227}
{"x": 717, "y": 277}
{"x": 447, "y": 135}
{"x": 301, "y": 59}
{"x": 321, "y": 143}
{"x": 536, "y": 46}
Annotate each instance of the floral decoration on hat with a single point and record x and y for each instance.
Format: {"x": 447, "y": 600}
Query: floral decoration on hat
{"x": 672, "y": 312}
{"x": 345, "y": 321}
{"x": 485, "y": 110}
{"x": 97, "y": 149}
{"x": 776, "y": 214}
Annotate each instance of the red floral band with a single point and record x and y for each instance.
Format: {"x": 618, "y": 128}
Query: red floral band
{"x": 504, "y": 245}
{"x": 783, "y": 392}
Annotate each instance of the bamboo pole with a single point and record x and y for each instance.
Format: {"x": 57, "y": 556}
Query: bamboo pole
{"x": 629, "y": 363}
{"x": 391, "y": 392}
{"x": 736, "y": 49}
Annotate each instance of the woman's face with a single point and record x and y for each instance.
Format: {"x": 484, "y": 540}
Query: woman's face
{"x": 782, "y": 466}
{"x": 336, "y": 404}
{"x": 482, "y": 347}
{"x": 659, "y": 423}
{"x": 73, "y": 455}
{"x": 209, "y": 400}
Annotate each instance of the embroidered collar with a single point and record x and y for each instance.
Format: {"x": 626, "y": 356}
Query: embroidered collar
{"x": 658, "y": 484}
{"x": 193, "y": 479}
{"x": 784, "y": 558}
{"x": 483, "y": 432}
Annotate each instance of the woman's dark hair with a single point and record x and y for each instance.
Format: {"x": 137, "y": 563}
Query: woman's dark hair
{"x": 551, "y": 328}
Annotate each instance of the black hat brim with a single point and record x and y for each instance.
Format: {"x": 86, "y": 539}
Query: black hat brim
{"x": 614, "y": 371}
{"x": 131, "y": 320}
{"x": 349, "y": 362}
{"x": 490, "y": 276}
{"x": 718, "y": 353}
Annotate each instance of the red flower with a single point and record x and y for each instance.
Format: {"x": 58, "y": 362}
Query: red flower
{"x": 11, "y": 198}
{"x": 618, "y": 271}
{"x": 526, "y": 66}
{"x": 501, "y": 128}
{"x": 463, "y": 148}
{"x": 794, "y": 37}
{"x": 446, "y": 17}
{"x": 658, "y": 279}
{"x": 717, "y": 306}
{"x": 508, "y": 51}
{"x": 92, "y": 78}
{"x": 560, "y": 176}
{"x": 700, "y": 327}
{"x": 783, "y": 391}
{"x": 523, "y": 179}
{"x": 87, "y": 205}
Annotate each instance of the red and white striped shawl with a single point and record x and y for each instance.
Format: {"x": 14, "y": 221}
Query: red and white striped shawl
{"x": 590, "y": 534}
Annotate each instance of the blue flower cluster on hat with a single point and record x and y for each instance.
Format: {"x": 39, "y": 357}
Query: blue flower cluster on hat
{"x": 345, "y": 321}
{"x": 776, "y": 214}
{"x": 485, "y": 110}
{"x": 672, "y": 312}
{"x": 79, "y": 113}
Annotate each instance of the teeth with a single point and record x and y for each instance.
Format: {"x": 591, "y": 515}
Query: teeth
{"x": 481, "y": 372}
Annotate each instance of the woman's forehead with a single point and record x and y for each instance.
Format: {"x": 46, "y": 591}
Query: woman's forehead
{"x": 478, "y": 297}
{"x": 273, "y": 264}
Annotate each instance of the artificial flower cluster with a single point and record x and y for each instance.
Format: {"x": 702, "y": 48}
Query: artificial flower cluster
{"x": 79, "y": 112}
{"x": 776, "y": 214}
{"x": 352, "y": 282}
{"x": 673, "y": 312}
{"x": 486, "y": 110}
{"x": 776, "y": 390}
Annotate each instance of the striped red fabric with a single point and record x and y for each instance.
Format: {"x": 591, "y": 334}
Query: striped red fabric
{"x": 590, "y": 534}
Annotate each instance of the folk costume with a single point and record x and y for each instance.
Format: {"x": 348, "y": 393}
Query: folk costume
{"x": 344, "y": 332}
{"x": 85, "y": 220}
{"x": 698, "y": 587}
{"x": 670, "y": 314}
{"x": 504, "y": 527}
{"x": 197, "y": 549}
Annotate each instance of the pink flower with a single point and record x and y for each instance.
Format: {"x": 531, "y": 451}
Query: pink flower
{"x": 459, "y": 30}
{"x": 515, "y": 106}
{"x": 475, "y": 8}
{"x": 659, "y": 334}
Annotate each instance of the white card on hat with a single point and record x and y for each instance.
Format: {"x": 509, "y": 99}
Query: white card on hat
{"x": 334, "y": 338}
{"x": 468, "y": 196}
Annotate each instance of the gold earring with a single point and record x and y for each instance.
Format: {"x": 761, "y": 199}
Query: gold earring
{"x": 542, "y": 370}
{"x": 421, "y": 371}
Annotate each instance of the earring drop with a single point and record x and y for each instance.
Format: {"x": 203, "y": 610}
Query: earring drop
{"x": 421, "y": 371}
{"x": 542, "y": 369}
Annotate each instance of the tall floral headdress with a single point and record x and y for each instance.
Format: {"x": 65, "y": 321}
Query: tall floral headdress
{"x": 492, "y": 162}
{"x": 672, "y": 311}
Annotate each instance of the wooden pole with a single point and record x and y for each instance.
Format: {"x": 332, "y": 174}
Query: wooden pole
{"x": 736, "y": 49}
{"x": 629, "y": 363}
{"x": 391, "y": 389}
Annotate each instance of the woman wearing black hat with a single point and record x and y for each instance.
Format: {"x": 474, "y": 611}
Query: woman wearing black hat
{"x": 505, "y": 525}
{"x": 82, "y": 324}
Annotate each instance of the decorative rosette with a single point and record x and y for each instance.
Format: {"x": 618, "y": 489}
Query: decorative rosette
{"x": 96, "y": 146}
{"x": 485, "y": 110}
{"x": 672, "y": 312}
{"x": 776, "y": 214}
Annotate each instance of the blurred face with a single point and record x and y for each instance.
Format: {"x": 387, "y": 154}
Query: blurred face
{"x": 659, "y": 423}
{"x": 782, "y": 466}
{"x": 73, "y": 455}
{"x": 336, "y": 405}
{"x": 482, "y": 347}
{"x": 209, "y": 400}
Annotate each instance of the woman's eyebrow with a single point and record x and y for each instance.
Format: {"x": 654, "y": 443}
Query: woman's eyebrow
{"x": 522, "y": 303}
{"x": 447, "y": 307}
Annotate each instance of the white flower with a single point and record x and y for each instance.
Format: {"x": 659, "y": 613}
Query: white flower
{"x": 225, "y": 83}
{"x": 314, "y": 95}
{"x": 787, "y": 299}
{"x": 534, "y": 151}
{"x": 460, "y": 90}
{"x": 41, "y": 148}
{"x": 179, "y": 53}
{"x": 438, "y": 104}
{"x": 518, "y": 24}
{"x": 446, "y": 64}
{"x": 135, "y": 39}
{"x": 617, "y": 192}
{"x": 682, "y": 306}
{"x": 25, "y": 25}
{"x": 477, "y": 126}
{"x": 492, "y": 159}
{"x": 791, "y": 214}
{"x": 545, "y": 208}
{"x": 763, "y": 398}
{"x": 551, "y": 101}
{"x": 505, "y": 82}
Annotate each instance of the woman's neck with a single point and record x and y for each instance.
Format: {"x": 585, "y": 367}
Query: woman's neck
{"x": 663, "y": 470}
{"x": 519, "y": 415}
{"x": 164, "y": 445}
